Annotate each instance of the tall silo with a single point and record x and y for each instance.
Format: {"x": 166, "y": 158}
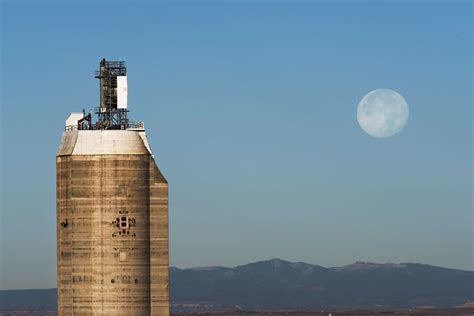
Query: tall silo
{"x": 112, "y": 211}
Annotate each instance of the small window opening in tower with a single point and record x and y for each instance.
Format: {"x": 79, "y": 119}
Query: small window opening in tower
{"x": 124, "y": 222}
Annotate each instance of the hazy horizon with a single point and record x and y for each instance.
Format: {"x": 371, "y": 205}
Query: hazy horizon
{"x": 250, "y": 110}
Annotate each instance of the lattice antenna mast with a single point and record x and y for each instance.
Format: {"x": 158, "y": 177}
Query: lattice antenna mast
{"x": 112, "y": 111}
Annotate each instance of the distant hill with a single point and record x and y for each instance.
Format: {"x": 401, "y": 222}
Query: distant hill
{"x": 281, "y": 285}
{"x": 278, "y": 284}
{"x": 28, "y": 300}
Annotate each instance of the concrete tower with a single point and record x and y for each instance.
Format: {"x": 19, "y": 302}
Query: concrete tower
{"x": 112, "y": 211}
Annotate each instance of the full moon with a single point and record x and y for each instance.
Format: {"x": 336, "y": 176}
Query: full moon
{"x": 382, "y": 113}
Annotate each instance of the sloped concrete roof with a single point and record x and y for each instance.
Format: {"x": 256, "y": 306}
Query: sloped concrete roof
{"x": 104, "y": 142}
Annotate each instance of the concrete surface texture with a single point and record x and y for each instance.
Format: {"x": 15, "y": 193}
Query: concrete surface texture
{"x": 112, "y": 225}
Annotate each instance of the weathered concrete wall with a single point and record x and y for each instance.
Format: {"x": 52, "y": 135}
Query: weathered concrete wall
{"x": 112, "y": 226}
{"x": 159, "y": 241}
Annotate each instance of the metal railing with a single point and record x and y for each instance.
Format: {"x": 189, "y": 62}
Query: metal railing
{"x": 127, "y": 126}
{"x": 70, "y": 128}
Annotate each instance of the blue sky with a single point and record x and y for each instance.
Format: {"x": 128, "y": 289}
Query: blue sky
{"x": 250, "y": 108}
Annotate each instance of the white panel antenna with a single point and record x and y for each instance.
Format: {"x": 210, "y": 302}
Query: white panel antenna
{"x": 122, "y": 92}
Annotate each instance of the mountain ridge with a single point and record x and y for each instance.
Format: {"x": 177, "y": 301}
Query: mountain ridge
{"x": 356, "y": 263}
{"x": 278, "y": 284}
